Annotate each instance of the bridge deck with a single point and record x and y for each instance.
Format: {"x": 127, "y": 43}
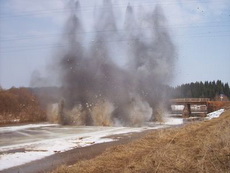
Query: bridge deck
{"x": 182, "y": 101}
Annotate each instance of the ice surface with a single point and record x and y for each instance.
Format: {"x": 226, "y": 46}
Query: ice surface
{"x": 86, "y": 136}
{"x": 41, "y": 140}
{"x": 46, "y": 147}
{"x": 23, "y": 127}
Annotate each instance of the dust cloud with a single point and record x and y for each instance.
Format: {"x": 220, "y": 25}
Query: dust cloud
{"x": 95, "y": 89}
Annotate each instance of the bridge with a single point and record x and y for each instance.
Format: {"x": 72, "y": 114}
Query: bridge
{"x": 187, "y": 102}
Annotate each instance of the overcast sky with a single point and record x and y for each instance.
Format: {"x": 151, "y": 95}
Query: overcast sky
{"x": 31, "y": 30}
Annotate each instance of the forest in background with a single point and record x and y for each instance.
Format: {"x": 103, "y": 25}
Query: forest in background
{"x": 215, "y": 90}
{"x": 19, "y": 105}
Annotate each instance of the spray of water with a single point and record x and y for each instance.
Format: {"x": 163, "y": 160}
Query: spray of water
{"x": 98, "y": 91}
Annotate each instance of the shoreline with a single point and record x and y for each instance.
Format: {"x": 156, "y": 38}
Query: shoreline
{"x": 70, "y": 157}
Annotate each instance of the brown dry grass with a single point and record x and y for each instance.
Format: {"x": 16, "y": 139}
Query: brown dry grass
{"x": 215, "y": 105}
{"x": 197, "y": 147}
{"x": 19, "y": 104}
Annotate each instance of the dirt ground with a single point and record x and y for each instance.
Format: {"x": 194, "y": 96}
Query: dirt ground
{"x": 197, "y": 147}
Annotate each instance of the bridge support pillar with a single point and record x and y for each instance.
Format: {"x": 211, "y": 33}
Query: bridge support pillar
{"x": 186, "y": 111}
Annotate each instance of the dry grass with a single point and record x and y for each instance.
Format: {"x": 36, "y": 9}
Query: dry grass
{"x": 215, "y": 105}
{"x": 198, "y": 147}
{"x": 19, "y": 104}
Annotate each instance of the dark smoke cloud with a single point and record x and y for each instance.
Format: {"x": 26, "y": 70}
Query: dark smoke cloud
{"x": 98, "y": 91}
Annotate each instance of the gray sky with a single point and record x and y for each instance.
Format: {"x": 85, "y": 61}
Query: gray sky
{"x": 31, "y": 30}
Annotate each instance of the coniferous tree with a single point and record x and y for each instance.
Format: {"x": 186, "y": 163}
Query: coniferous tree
{"x": 227, "y": 90}
{"x": 202, "y": 90}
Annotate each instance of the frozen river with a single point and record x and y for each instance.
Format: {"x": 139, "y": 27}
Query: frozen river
{"x": 25, "y": 143}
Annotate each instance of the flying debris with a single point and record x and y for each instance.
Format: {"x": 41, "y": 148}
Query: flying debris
{"x": 96, "y": 90}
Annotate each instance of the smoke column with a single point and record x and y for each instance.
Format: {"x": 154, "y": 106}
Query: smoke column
{"x": 98, "y": 91}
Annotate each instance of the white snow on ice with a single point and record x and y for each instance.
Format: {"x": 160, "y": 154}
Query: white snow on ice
{"x": 23, "y": 127}
{"x": 46, "y": 147}
{"x": 88, "y": 136}
{"x": 16, "y": 159}
{"x": 214, "y": 114}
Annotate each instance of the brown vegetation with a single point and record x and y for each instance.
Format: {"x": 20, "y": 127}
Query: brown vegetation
{"x": 197, "y": 147}
{"x": 215, "y": 105}
{"x": 19, "y": 105}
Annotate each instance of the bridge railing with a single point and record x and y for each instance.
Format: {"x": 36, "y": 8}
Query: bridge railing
{"x": 189, "y": 100}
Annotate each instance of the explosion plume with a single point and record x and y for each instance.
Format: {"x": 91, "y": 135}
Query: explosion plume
{"x": 96, "y": 90}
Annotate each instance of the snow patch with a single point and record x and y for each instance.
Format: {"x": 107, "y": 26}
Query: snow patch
{"x": 214, "y": 114}
{"x": 16, "y": 159}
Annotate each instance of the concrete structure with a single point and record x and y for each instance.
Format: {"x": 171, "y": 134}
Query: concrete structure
{"x": 187, "y": 102}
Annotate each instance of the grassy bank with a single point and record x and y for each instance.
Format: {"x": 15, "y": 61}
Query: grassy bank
{"x": 198, "y": 147}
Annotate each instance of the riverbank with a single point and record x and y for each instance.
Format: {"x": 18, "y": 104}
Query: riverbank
{"x": 197, "y": 147}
